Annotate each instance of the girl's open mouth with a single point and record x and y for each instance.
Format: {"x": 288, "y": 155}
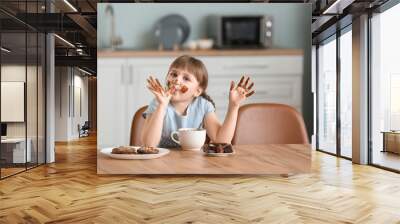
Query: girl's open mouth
{"x": 175, "y": 88}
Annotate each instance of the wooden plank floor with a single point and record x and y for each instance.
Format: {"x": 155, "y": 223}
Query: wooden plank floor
{"x": 387, "y": 159}
{"x": 10, "y": 171}
{"x": 70, "y": 191}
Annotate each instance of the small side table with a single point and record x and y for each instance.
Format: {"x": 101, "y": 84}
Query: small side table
{"x": 391, "y": 141}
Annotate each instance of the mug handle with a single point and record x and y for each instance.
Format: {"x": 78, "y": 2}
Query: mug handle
{"x": 172, "y": 137}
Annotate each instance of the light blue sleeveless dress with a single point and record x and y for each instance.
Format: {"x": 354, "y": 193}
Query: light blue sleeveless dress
{"x": 194, "y": 118}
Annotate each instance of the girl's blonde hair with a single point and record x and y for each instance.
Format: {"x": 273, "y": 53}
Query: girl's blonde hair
{"x": 195, "y": 67}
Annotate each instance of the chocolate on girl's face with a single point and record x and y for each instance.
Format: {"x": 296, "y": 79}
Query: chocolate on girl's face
{"x": 173, "y": 86}
{"x": 184, "y": 89}
{"x": 183, "y": 81}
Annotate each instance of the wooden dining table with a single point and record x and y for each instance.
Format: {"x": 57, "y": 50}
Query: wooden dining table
{"x": 247, "y": 159}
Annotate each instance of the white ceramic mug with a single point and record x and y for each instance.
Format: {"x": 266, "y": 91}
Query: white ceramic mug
{"x": 190, "y": 138}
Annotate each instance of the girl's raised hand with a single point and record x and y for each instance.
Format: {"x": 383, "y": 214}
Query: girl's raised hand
{"x": 241, "y": 91}
{"x": 162, "y": 95}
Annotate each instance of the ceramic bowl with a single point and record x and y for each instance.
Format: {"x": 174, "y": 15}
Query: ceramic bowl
{"x": 205, "y": 44}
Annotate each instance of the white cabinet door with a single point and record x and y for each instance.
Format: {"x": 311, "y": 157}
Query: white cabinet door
{"x": 255, "y": 64}
{"x": 275, "y": 81}
{"x": 127, "y": 100}
{"x": 142, "y": 69}
{"x": 111, "y": 95}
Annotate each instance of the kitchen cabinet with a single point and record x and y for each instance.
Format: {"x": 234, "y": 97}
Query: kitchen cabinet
{"x": 142, "y": 69}
{"x": 112, "y": 92}
{"x": 274, "y": 80}
{"x": 122, "y": 86}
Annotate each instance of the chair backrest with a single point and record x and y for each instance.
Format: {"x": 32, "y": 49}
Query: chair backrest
{"x": 136, "y": 128}
{"x": 269, "y": 123}
{"x": 86, "y": 125}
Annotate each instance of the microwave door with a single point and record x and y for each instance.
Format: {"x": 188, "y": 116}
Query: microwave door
{"x": 241, "y": 32}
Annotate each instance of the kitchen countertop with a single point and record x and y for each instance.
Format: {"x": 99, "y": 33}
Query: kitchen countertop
{"x": 212, "y": 52}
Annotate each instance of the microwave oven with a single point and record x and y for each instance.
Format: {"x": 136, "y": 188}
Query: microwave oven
{"x": 245, "y": 31}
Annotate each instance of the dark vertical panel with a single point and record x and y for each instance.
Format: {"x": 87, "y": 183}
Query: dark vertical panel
{"x": 92, "y": 100}
{"x": 338, "y": 67}
{"x": 73, "y": 91}
{"x": 317, "y": 96}
{"x": 369, "y": 78}
{"x": 37, "y": 91}
{"x": 26, "y": 79}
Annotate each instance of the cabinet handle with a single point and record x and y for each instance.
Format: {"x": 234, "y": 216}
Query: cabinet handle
{"x": 246, "y": 66}
{"x": 262, "y": 92}
{"x": 122, "y": 74}
{"x": 130, "y": 74}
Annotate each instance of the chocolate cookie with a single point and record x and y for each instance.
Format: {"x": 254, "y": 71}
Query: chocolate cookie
{"x": 124, "y": 150}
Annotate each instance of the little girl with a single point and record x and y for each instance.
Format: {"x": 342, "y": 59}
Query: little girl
{"x": 185, "y": 104}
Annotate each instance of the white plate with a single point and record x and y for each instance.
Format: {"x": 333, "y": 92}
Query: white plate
{"x": 161, "y": 152}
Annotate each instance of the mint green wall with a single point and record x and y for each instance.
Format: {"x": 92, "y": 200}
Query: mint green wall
{"x": 135, "y": 21}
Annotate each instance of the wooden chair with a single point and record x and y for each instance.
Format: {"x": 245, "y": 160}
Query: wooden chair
{"x": 137, "y": 124}
{"x": 269, "y": 123}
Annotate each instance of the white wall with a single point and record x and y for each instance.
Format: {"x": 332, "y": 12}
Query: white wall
{"x": 50, "y": 95}
{"x": 314, "y": 91}
{"x": 79, "y": 117}
{"x": 69, "y": 82}
{"x": 61, "y": 103}
{"x": 12, "y": 100}
{"x": 12, "y": 73}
